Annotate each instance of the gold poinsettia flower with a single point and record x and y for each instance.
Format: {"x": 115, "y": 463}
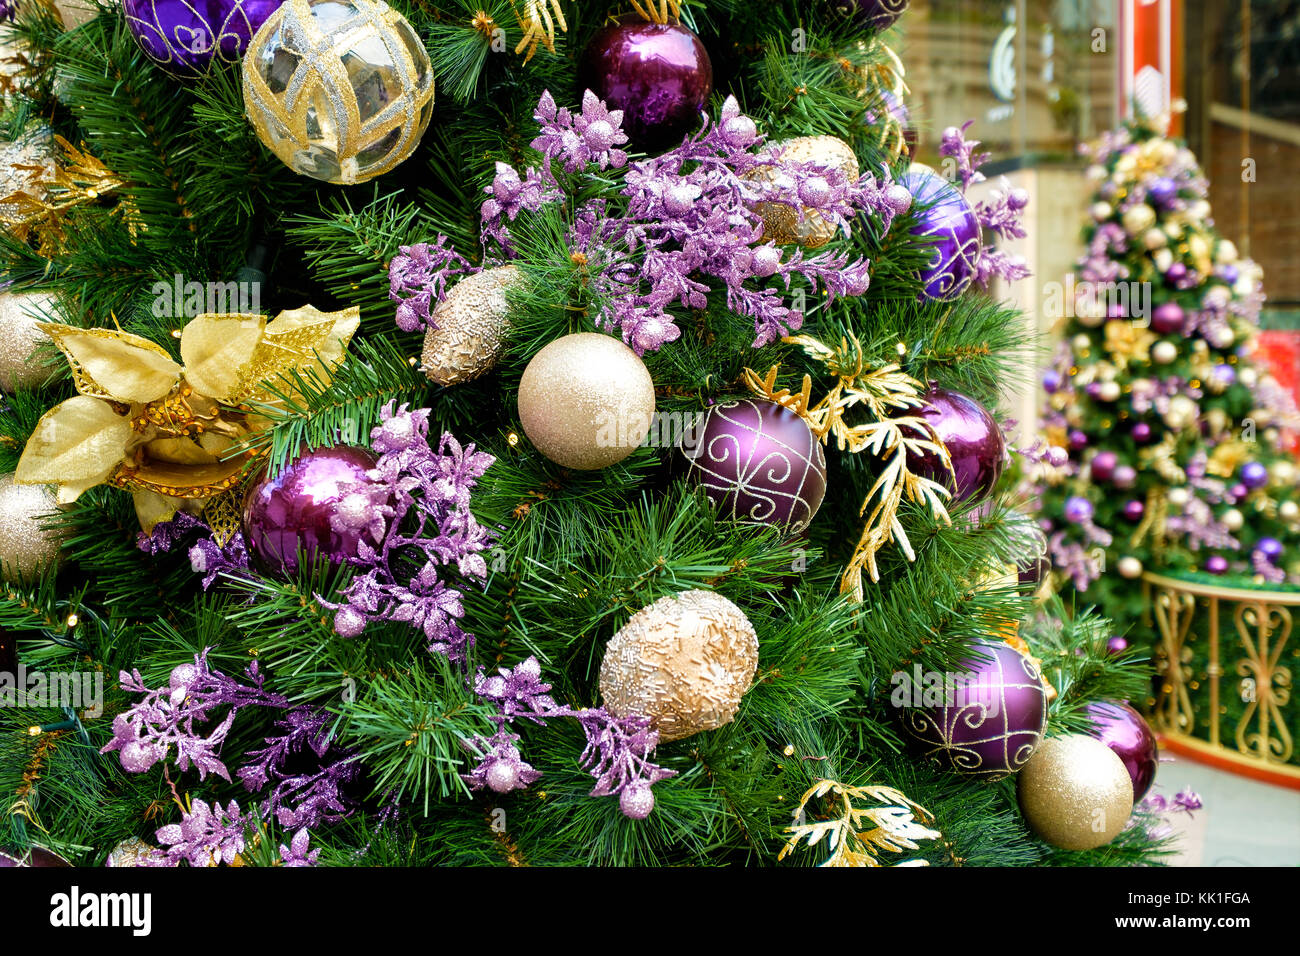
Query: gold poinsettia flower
{"x": 166, "y": 432}
{"x": 1127, "y": 342}
{"x": 1227, "y": 458}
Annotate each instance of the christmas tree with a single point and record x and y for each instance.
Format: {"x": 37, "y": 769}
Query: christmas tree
{"x": 1167, "y": 441}
{"x": 507, "y": 434}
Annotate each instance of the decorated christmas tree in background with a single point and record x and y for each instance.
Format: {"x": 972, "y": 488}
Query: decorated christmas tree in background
{"x": 1168, "y": 444}
{"x": 599, "y": 464}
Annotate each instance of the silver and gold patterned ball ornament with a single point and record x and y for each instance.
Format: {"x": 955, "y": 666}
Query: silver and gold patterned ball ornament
{"x": 784, "y": 223}
{"x": 339, "y": 90}
{"x": 20, "y": 338}
{"x": 27, "y": 548}
{"x": 1075, "y": 792}
{"x": 467, "y": 329}
{"x": 684, "y": 661}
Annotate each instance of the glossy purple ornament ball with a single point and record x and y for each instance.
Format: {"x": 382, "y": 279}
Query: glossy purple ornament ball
{"x": 1270, "y": 548}
{"x": 1125, "y": 731}
{"x": 1103, "y": 464}
{"x": 1176, "y": 272}
{"x": 1167, "y": 318}
{"x": 1229, "y": 274}
{"x": 1078, "y": 440}
{"x": 1125, "y": 476}
{"x": 658, "y": 74}
{"x": 974, "y": 442}
{"x": 1033, "y": 572}
{"x": 758, "y": 462}
{"x": 1216, "y": 564}
{"x": 1116, "y": 645}
{"x": 1253, "y": 475}
{"x": 874, "y": 14}
{"x": 946, "y": 218}
{"x": 1134, "y": 510}
{"x": 1141, "y": 433}
{"x": 185, "y": 36}
{"x": 36, "y": 857}
{"x": 986, "y": 720}
{"x": 1052, "y": 381}
{"x": 1162, "y": 190}
{"x": 1077, "y": 510}
{"x": 293, "y": 510}
{"x": 1224, "y": 373}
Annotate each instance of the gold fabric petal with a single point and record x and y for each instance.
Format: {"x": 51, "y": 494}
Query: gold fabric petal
{"x": 334, "y": 340}
{"x": 76, "y": 445}
{"x": 115, "y": 365}
{"x": 217, "y": 348}
{"x": 152, "y": 508}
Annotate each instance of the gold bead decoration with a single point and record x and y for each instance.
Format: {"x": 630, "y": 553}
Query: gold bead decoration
{"x": 19, "y": 338}
{"x": 339, "y": 90}
{"x": 1075, "y": 792}
{"x": 783, "y": 224}
{"x": 467, "y": 330}
{"x": 26, "y": 549}
{"x": 586, "y": 401}
{"x": 684, "y": 661}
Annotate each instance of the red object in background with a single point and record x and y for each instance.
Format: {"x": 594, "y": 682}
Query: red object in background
{"x": 1278, "y": 350}
{"x": 1150, "y": 58}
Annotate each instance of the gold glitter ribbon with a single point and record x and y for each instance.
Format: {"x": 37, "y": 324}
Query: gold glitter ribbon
{"x": 855, "y": 835}
{"x": 167, "y": 432}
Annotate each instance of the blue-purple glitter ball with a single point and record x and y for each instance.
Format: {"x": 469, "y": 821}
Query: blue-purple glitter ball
{"x": 1078, "y": 510}
{"x": 943, "y": 214}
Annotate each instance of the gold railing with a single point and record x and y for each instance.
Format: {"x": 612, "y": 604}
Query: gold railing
{"x": 1262, "y": 623}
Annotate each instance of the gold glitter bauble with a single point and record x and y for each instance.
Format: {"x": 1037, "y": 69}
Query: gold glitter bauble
{"x": 1075, "y": 792}
{"x": 130, "y": 852}
{"x": 19, "y": 337}
{"x": 586, "y": 401}
{"x": 26, "y": 548}
{"x": 782, "y": 223}
{"x": 685, "y": 661}
{"x": 467, "y": 329}
{"x": 340, "y": 90}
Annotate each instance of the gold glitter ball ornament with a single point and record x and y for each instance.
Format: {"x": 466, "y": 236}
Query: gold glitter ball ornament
{"x": 130, "y": 852}
{"x": 467, "y": 330}
{"x": 26, "y": 549}
{"x": 783, "y": 224}
{"x": 1075, "y": 792}
{"x": 19, "y": 338}
{"x": 340, "y": 90}
{"x": 586, "y": 401}
{"x": 685, "y": 661}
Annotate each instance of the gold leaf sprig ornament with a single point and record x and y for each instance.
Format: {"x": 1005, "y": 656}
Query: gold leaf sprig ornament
{"x": 339, "y": 90}
{"x": 894, "y": 432}
{"x": 855, "y": 835}
{"x": 169, "y": 433}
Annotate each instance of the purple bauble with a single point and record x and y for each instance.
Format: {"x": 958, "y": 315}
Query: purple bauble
{"x": 873, "y": 14}
{"x": 1168, "y": 318}
{"x": 637, "y": 800}
{"x": 1078, "y": 440}
{"x": 658, "y": 74}
{"x": 1034, "y": 571}
{"x": 1141, "y": 433}
{"x": 1116, "y": 645}
{"x": 292, "y": 511}
{"x": 1103, "y": 464}
{"x": 36, "y": 857}
{"x": 985, "y": 721}
{"x": 1224, "y": 373}
{"x": 1216, "y": 564}
{"x": 1270, "y": 548}
{"x": 1254, "y": 475}
{"x": 943, "y": 213}
{"x": 1176, "y": 272}
{"x": 1052, "y": 381}
{"x": 1077, "y": 510}
{"x": 1123, "y": 730}
{"x": 974, "y": 442}
{"x": 1161, "y": 191}
{"x": 1229, "y": 274}
{"x": 758, "y": 462}
{"x": 1125, "y": 476}
{"x": 184, "y": 36}
{"x": 1134, "y": 510}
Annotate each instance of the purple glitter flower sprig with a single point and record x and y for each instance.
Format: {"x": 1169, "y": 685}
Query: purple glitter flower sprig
{"x": 417, "y": 280}
{"x": 312, "y": 796}
{"x": 207, "y": 835}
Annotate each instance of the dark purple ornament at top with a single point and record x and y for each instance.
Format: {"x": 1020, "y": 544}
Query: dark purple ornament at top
{"x": 1125, "y": 731}
{"x": 758, "y": 462}
{"x": 986, "y": 720}
{"x": 974, "y": 442}
{"x": 873, "y": 14}
{"x": 943, "y": 213}
{"x": 184, "y": 36}
{"x": 658, "y": 74}
{"x": 292, "y": 511}
{"x": 36, "y": 857}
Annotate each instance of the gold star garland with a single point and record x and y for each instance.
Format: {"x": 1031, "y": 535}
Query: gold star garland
{"x": 857, "y": 836}
{"x": 893, "y": 435}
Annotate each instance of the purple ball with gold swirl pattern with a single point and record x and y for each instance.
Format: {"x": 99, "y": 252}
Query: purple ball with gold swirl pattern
{"x": 946, "y": 218}
{"x": 983, "y": 721}
{"x": 185, "y": 36}
{"x": 874, "y": 14}
{"x": 758, "y": 462}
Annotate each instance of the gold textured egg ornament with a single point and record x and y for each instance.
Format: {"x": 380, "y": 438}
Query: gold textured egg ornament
{"x": 684, "y": 661}
{"x": 782, "y": 224}
{"x": 339, "y": 90}
{"x": 26, "y": 548}
{"x": 467, "y": 329}
{"x": 1075, "y": 792}
{"x": 19, "y": 338}
{"x": 586, "y": 401}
